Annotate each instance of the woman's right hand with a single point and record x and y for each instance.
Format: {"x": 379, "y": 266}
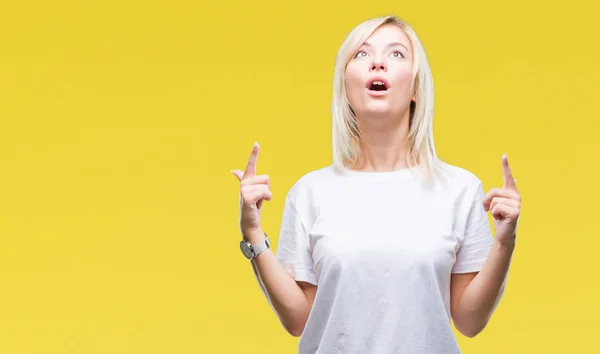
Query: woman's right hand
{"x": 253, "y": 191}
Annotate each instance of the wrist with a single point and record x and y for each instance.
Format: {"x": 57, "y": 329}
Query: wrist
{"x": 506, "y": 244}
{"x": 253, "y": 235}
{"x": 254, "y": 244}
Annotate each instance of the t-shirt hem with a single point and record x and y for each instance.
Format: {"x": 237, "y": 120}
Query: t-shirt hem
{"x": 305, "y": 275}
{"x": 468, "y": 267}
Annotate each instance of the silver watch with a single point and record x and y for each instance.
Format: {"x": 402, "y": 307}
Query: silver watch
{"x": 251, "y": 251}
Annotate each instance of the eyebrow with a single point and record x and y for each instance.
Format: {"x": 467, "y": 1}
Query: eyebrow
{"x": 367, "y": 44}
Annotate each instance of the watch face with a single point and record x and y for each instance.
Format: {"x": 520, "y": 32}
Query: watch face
{"x": 246, "y": 249}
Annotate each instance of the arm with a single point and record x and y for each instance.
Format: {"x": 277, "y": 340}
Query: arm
{"x": 474, "y": 296}
{"x": 291, "y": 300}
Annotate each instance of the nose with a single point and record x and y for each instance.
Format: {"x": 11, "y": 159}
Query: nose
{"x": 378, "y": 65}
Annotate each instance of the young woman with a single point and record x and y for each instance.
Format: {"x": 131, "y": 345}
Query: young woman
{"x": 379, "y": 251}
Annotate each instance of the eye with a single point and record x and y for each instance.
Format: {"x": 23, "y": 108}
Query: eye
{"x": 360, "y": 54}
{"x": 398, "y": 54}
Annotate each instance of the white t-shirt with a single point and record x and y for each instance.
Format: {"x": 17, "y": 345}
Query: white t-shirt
{"x": 381, "y": 249}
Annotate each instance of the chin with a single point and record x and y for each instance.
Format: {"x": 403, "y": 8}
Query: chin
{"x": 377, "y": 109}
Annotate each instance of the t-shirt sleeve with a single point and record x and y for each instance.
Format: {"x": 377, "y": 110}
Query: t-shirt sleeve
{"x": 477, "y": 239}
{"x": 293, "y": 249}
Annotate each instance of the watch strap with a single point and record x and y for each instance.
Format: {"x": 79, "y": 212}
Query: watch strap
{"x": 261, "y": 246}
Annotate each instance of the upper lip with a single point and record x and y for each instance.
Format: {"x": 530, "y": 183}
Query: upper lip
{"x": 378, "y": 78}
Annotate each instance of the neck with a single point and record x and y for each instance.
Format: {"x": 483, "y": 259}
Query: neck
{"x": 384, "y": 143}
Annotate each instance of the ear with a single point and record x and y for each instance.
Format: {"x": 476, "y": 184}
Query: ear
{"x": 414, "y": 93}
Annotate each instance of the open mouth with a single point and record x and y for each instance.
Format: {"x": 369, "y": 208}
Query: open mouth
{"x": 377, "y": 84}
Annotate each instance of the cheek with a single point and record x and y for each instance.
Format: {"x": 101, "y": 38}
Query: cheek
{"x": 402, "y": 80}
{"x": 353, "y": 81}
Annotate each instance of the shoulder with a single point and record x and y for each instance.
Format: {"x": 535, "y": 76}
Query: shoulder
{"x": 460, "y": 180}
{"x": 312, "y": 182}
{"x": 459, "y": 174}
{"x": 308, "y": 192}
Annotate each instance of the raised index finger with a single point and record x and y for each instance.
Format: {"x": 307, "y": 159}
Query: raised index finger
{"x": 251, "y": 166}
{"x": 509, "y": 181}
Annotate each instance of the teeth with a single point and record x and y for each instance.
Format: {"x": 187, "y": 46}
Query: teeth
{"x": 378, "y": 83}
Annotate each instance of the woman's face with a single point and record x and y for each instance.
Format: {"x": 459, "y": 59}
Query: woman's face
{"x": 379, "y": 74}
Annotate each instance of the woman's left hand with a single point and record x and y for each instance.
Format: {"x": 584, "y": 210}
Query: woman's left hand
{"x": 505, "y": 206}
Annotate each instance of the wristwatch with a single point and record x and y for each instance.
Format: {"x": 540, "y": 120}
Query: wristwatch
{"x": 251, "y": 251}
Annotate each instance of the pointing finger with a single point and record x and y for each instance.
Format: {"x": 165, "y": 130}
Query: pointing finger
{"x": 251, "y": 167}
{"x": 509, "y": 181}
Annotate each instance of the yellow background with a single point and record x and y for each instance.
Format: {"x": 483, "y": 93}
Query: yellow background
{"x": 120, "y": 122}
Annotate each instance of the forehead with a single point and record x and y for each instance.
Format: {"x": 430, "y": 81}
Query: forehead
{"x": 388, "y": 34}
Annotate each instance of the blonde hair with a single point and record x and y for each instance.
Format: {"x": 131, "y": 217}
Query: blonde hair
{"x": 346, "y": 136}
